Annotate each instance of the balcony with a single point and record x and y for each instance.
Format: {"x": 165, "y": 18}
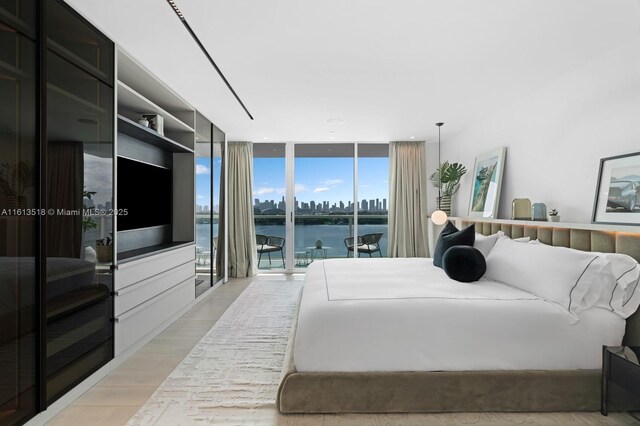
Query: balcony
{"x": 330, "y": 229}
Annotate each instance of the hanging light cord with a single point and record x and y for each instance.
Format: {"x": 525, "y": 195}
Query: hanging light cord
{"x": 439, "y": 170}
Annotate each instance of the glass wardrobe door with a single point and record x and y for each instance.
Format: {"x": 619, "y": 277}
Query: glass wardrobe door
{"x": 18, "y": 215}
{"x": 217, "y": 202}
{"x": 79, "y": 193}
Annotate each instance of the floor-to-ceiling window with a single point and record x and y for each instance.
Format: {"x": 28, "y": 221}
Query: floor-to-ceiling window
{"x": 373, "y": 193}
{"x": 320, "y": 217}
{"x": 324, "y": 204}
{"x": 269, "y": 206}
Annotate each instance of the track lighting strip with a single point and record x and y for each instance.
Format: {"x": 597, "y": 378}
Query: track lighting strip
{"x": 204, "y": 50}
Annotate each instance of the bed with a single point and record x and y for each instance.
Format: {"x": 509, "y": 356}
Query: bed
{"x": 371, "y": 337}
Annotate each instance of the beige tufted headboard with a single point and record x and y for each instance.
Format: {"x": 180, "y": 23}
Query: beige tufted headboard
{"x": 586, "y": 237}
{"x": 574, "y": 237}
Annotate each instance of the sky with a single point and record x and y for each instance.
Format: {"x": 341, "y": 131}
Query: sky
{"x": 203, "y": 180}
{"x": 322, "y": 179}
{"x": 317, "y": 179}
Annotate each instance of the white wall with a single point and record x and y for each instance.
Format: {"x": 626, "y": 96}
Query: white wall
{"x": 556, "y": 136}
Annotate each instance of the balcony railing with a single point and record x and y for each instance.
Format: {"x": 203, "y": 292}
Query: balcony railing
{"x": 318, "y": 236}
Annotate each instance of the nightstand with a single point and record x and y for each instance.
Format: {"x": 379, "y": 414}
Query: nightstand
{"x": 620, "y": 378}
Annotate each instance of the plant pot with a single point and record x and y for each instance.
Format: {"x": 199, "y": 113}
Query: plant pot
{"x": 104, "y": 253}
{"x": 555, "y": 218}
{"x": 444, "y": 204}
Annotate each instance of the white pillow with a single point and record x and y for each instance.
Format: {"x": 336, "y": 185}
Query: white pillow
{"x": 485, "y": 243}
{"x": 624, "y": 297}
{"x": 570, "y": 278}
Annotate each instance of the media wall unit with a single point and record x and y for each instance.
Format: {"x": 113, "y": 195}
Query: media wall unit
{"x": 155, "y": 201}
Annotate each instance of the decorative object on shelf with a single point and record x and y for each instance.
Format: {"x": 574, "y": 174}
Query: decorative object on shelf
{"x": 539, "y": 212}
{"x": 104, "y": 249}
{"x": 90, "y": 254}
{"x": 447, "y": 179}
{"x": 318, "y": 244}
{"x": 487, "y": 182}
{"x": 617, "y": 198}
{"x": 521, "y": 209}
{"x": 156, "y": 122}
{"x": 554, "y": 216}
{"x": 143, "y": 122}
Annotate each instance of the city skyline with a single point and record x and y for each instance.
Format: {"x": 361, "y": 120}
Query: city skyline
{"x": 317, "y": 180}
{"x": 271, "y": 206}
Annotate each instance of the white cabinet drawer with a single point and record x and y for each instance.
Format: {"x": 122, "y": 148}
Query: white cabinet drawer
{"x": 131, "y": 272}
{"x": 134, "y": 325}
{"x": 138, "y": 293}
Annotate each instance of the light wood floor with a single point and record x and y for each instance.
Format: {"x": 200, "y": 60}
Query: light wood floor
{"x": 115, "y": 399}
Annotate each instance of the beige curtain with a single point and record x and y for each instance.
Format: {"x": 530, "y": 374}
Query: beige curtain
{"x": 407, "y": 200}
{"x": 242, "y": 232}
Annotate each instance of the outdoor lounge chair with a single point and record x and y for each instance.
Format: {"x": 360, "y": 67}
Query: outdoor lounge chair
{"x": 368, "y": 243}
{"x": 269, "y": 244}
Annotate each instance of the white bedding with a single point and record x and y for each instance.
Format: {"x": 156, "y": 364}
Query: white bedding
{"x": 407, "y": 315}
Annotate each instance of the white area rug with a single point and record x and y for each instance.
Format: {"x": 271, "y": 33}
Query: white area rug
{"x": 235, "y": 367}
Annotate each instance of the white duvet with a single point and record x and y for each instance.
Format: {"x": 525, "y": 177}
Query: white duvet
{"x": 407, "y": 315}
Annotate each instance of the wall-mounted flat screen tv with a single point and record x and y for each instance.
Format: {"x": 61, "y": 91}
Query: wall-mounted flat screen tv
{"x": 144, "y": 194}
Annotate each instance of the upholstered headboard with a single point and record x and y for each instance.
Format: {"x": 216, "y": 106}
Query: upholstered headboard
{"x": 586, "y": 237}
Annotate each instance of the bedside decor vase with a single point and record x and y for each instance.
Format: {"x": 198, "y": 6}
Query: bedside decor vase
{"x": 444, "y": 204}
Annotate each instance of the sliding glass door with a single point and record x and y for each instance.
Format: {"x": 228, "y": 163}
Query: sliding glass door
{"x": 269, "y": 205}
{"x": 305, "y": 197}
{"x": 324, "y": 204}
{"x": 373, "y": 193}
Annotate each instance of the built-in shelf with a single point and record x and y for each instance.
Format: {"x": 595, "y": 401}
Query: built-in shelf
{"x": 132, "y": 102}
{"x": 145, "y": 134}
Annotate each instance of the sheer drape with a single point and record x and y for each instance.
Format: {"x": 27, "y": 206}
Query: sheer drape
{"x": 242, "y": 232}
{"x": 407, "y": 200}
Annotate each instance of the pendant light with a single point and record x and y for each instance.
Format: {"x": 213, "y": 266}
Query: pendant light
{"x": 439, "y": 217}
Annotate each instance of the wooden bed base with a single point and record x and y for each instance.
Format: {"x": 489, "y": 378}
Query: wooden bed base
{"x": 462, "y": 391}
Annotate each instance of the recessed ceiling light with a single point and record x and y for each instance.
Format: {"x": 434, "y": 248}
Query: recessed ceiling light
{"x": 412, "y": 137}
{"x": 335, "y": 121}
{"x": 332, "y": 138}
{"x": 265, "y": 138}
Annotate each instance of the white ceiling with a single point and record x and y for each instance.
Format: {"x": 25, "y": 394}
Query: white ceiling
{"x": 389, "y": 69}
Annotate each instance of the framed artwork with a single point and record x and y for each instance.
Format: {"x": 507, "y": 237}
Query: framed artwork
{"x": 618, "y": 191}
{"x": 487, "y": 180}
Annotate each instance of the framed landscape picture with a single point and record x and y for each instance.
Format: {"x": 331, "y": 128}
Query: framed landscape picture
{"x": 487, "y": 180}
{"x": 618, "y": 191}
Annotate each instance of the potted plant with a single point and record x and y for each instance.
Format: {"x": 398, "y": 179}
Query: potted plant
{"x": 104, "y": 249}
{"x": 447, "y": 179}
{"x": 554, "y": 216}
{"x": 15, "y": 178}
